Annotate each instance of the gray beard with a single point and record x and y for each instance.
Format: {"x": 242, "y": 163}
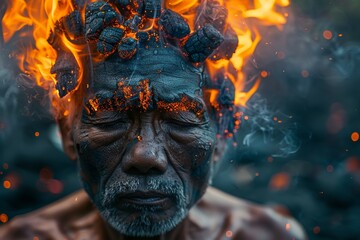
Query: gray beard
{"x": 145, "y": 225}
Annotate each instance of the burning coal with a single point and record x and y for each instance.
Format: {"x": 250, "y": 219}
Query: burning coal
{"x": 222, "y": 34}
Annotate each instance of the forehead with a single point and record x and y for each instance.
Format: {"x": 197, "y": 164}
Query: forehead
{"x": 168, "y": 75}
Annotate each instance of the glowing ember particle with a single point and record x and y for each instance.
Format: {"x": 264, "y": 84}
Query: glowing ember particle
{"x": 316, "y": 230}
{"x": 139, "y": 138}
{"x": 6, "y": 166}
{"x": 127, "y": 91}
{"x": 55, "y": 186}
{"x": 257, "y": 174}
{"x": 229, "y": 234}
{"x": 280, "y": 55}
{"x": 46, "y": 173}
{"x": 330, "y": 168}
{"x": 280, "y": 181}
{"x": 355, "y": 136}
{"x": 246, "y": 118}
{"x": 145, "y": 94}
{"x": 305, "y": 73}
{"x": 94, "y": 104}
{"x": 4, "y": 218}
{"x": 264, "y": 74}
{"x": 7, "y": 184}
{"x": 336, "y": 120}
{"x": 327, "y": 34}
{"x": 287, "y": 227}
{"x": 353, "y": 164}
{"x": 340, "y": 35}
{"x": 37, "y": 134}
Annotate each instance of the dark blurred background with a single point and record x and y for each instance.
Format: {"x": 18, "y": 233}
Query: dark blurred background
{"x": 298, "y": 151}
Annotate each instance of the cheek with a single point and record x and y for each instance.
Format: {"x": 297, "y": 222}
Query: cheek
{"x": 99, "y": 153}
{"x": 192, "y": 148}
{"x": 192, "y": 151}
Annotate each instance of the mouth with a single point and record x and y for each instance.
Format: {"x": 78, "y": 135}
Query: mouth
{"x": 145, "y": 199}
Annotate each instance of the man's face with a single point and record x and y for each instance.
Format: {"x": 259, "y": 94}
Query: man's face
{"x": 144, "y": 143}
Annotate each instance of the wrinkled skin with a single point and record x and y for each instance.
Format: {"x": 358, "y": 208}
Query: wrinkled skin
{"x": 161, "y": 154}
{"x": 147, "y": 169}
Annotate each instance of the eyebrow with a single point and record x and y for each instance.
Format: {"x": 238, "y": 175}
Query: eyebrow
{"x": 182, "y": 103}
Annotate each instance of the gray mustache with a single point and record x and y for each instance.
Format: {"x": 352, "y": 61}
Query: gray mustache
{"x": 167, "y": 187}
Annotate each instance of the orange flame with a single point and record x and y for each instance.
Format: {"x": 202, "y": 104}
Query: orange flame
{"x": 42, "y": 15}
{"x": 238, "y": 11}
{"x": 39, "y": 56}
{"x": 187, "y": 8}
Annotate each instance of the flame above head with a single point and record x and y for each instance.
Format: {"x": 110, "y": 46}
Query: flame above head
{"x": 41, "y": 16}
{"x": 265, "y": 11}
{"x": 37, "y": 57}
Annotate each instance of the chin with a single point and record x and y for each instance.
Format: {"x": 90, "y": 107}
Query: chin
{"x": 147, "y": 222}
{"x": 143, "y": 210}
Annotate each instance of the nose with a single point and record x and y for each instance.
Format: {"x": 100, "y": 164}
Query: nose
{"x": 146, "y": 156}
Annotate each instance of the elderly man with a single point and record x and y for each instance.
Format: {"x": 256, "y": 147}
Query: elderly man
{"x": 145, "y": 136}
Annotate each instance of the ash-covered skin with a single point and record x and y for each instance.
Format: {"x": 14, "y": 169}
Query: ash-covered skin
{"x": 161, "y": 151}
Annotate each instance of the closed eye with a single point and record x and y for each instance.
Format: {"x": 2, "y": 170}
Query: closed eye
{"x": 184, "y": 119}
{"x": 183, "y": 124}
{"x": 106, "y": 119}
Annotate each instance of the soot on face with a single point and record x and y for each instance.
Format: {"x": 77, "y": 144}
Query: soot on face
{"x": 145, "y": 162}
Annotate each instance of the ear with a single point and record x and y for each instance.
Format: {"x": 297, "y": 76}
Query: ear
{"x": 67, "y": 139}
{"x": 217, "y": 155}
{"x": 220, "y": 149}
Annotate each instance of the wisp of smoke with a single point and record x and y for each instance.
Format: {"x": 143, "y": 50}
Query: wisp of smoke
{"x": 270, "y": 128}
{"x": 8, "y": 100}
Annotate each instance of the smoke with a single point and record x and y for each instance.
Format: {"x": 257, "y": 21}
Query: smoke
{"x": 269, "y": 131}
{"x": 317, "y": 51}
{"x": 344, "y": 60}
{"x": 302, "y": 63}
{"x": 8, "y": 100}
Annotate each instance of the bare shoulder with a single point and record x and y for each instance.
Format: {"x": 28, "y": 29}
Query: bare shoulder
{"x": 241, "y": 219}
{"x": 65, "y": 219}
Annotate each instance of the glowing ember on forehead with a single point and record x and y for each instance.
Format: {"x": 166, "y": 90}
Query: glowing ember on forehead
{"x": 140, "y": 97}
{"x": 214, "y": 32}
